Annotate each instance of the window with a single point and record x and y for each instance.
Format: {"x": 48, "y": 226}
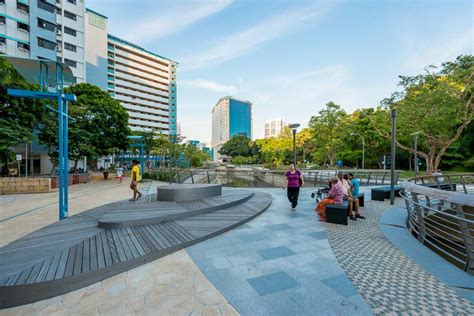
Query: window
{"x": 69, "y": 31}
{"x": 59, "y": 59}
{"x": 23, "y": 46}
{"x": 111, "y": 78}
{"x": 72, "y": 1}
{"x": 70, "y": 47}
{"x": 22, "y": 7}
{"x": 22, "y": 26}
{"x": 46, "y": 44}
{"x": 46, "y": 25}
{"x": 96, "y": 20}
{"x": 2, "y": 20}
{"x": 42, "y": 4}
{"x": 3, "y": 40}
{"x": 70, "y": 63}
{"x": 70, "y": 15}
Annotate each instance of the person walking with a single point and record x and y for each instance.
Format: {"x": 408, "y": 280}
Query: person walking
{"x": 119, "y": 173}
{"x": 135, "y": 177}
{"x": 293, "y": 181}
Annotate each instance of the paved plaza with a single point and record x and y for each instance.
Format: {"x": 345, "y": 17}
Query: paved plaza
{"x": 280, "y": 263}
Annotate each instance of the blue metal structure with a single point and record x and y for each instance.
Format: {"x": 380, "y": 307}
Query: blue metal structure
{"x": 141, "y": 145}
{"x": 25, "y": 67}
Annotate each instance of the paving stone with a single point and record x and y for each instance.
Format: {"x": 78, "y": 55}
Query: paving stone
{"x": 276, "y": 252}
{"x": 271, "y": 283}
{"x": 253, "y": 237}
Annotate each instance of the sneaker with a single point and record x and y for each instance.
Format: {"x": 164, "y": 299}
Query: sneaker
{"x": 353, "y": 218}
{"x": 360, "y": 216}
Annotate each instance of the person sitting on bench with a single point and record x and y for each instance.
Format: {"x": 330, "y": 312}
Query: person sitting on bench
{"x": 348, "y": 195}
{"x": 355, "y": 192}
{"x": 335, "y": 196}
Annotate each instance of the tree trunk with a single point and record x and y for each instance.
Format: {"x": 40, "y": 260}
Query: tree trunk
{"x": 430, "y": 163}
{"x": 75, "y": 166}
{"x": 409, "y": 161}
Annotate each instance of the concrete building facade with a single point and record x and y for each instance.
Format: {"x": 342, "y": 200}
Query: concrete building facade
{"x": 230, "y": 117}
{"x": 273, "y": 127}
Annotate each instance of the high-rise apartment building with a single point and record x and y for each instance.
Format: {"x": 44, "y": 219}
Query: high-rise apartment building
{"x": 44, "y": 29}
{"x": 273, "y": 127}
{"x": 230, "y": 117}
{"x": 143, "y": 82}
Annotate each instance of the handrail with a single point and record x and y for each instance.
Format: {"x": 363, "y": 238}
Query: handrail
{"x": 442, "y": 217}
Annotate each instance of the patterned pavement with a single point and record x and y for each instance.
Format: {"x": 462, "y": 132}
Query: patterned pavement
{"x": 389, "y": 281}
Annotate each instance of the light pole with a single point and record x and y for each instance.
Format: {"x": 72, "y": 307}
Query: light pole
{"x": 415, "y": 139}
{"x": 393, "y": 113}
{"x": 363, "y": 148}
{"x": 294, "y": 127}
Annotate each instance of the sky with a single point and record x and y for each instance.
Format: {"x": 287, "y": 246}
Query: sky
{"x": 290, "y": 58}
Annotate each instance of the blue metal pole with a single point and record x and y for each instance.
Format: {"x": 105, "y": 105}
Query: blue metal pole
{"x": 66, "y": 161}
{"x": 61, "y": 157}
{"x": 142, "y": 159}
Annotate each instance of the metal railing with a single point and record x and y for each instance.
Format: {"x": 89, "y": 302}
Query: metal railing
{"x": 254, "y": 177}
{"x": 441, "y": 215}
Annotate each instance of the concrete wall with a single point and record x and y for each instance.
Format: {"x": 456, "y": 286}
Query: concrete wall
{"x": 24, "y": 185}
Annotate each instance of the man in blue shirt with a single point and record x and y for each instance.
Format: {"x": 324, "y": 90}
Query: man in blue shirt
{"x": 355, "y": 192}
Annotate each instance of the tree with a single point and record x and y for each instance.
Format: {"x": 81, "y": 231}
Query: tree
{"x": 439, "y": 104}
{"x": 99, "y": 125}
{"x": 19, "y": 117}
{"x": 327, "y": 129}
{"x": 238, "y": 145}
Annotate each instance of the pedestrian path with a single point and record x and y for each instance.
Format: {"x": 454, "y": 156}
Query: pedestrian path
{"x": 388, "y": 280}
{"x": 281, "y": 263}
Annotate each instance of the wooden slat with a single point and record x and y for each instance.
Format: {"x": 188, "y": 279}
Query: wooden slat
{"x": 154, "y": 237}
{"x": 53, "y": 267}
{"x": 136, "y": 242}
{"x": 62, "y": 264}
{"x": 44, "y": 269}
{"x": 12, "y": 280}
{"x": 34, "y": 273}
{"x": 24, "y": 276}
{"x": 100, "y": 251}
{"x": 161, "y": 237}
{"x": 109, "y": 249}
{"x": 128, "y": 240}
{"x": 78, "y": 258}
{"x": 144, "y": 240}
{"x": 183, "y": 230}
{"x": 70, "y": 261}
{"x": 86, "y": 256}
{"x": 174, "y": 232}
{"x": 118, "y": 245}
{"x": 93, "y": 253}
{"x": 174, "y": 240}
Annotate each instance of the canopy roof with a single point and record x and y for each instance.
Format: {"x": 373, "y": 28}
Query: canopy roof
{"x": 32, "y": 70}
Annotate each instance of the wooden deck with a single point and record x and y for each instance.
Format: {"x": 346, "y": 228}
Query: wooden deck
{"x": 82, "y": 250}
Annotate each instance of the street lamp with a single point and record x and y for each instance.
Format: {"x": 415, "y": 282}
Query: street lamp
{"x": 363, "y": 148}
{"x": 294, "y": 127}
{"x": 393, "y": 114}
{"x": 415, "y": 138}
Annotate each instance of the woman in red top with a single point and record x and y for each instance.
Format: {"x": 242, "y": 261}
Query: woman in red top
{"x": 293, "y": 181}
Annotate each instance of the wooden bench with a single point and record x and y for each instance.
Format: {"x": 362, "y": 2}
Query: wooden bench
{"x": 380, "y": 194}
{"x": 337, "y": 213}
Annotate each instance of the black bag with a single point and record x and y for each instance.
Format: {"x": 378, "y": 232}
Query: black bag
{"x": 300, "y": 181}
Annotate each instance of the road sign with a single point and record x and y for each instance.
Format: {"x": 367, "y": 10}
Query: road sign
{"x": 18, "y": 157}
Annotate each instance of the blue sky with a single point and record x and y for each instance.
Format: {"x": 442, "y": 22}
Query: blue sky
{"x": 290, "y": 57}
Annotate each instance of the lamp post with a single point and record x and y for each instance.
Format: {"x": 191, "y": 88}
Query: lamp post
{"x": 363, "y": 148}
{"x": 294, "y": 127}
{"x": 393, "y": 114}
{"x": 415, "y": 139}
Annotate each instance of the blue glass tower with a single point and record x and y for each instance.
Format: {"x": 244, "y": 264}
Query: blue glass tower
{"x": 240, "y": 118}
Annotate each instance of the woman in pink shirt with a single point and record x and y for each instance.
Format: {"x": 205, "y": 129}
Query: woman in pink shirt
{"x": 293, "y": 181}
{"x": 335, "y": 196}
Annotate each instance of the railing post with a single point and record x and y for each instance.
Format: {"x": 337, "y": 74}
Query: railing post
{"x": 467, "y": 238}
{"x": 463, "y": 184}
{"x": 179, "y": 178}
{"x": 368, "y": 178}
{"x": 420, "y": 216}
{"x": 208, "y": 178}
{"x": 383, "y": 178}
{"x": 192, "y": 178}
{"x": 315, "y": 178}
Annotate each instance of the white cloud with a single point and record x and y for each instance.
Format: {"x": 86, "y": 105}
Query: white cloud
{"x": 208, "y": 85}
{"x": 422, "y": 54}
{"x": 240, "y": 43}
{"x": 167, "y": 20}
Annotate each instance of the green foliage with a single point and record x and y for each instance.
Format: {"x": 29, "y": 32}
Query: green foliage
{"x": 237, "y": 146}
{"x": 439, "y": 104}
{"x": 19, "y": 117}
{"x": 161, "y": 175}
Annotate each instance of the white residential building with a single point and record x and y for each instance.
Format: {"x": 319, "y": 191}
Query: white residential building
{"x": 273, "y": 127}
